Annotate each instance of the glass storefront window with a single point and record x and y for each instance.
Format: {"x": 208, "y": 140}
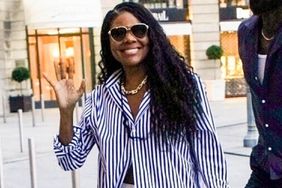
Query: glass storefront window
{"x": 47, "y": 31}
{"x": 31, "y": 31}
{"x": 50, "y": 47}
{"x": 160, "y": 3}
{"x": 230, "y": 59}
{"x": 232, "y": 65}
{"x": 182, "y": 44}
{"x": 227, "y": 3}
{"x": 69, "y": 30}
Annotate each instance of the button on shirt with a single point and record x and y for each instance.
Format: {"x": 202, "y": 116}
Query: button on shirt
{"x": 154, "y": 165}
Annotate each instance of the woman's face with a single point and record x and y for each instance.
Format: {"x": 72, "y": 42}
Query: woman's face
{"x": 130, "y": 51}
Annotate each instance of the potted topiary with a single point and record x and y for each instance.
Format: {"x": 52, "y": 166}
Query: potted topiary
{"x": 214, "y": 52}
{"x": 20, "y": 74}
{"x": 216, "y": 86}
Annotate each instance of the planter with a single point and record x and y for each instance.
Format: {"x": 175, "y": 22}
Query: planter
{"x": 215, "y": 89}
{"x": 20, "y": 74}
{"x": 20, "y": 102}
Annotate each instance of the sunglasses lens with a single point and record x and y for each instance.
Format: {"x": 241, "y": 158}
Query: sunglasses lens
{"x": 139, "y": 30}
{"x": 118, "y": 33}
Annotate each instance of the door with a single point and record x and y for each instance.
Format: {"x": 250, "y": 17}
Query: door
{"x": 49, "y": 47}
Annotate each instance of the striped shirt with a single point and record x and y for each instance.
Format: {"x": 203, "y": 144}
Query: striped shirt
{"x": 154, "y": 165}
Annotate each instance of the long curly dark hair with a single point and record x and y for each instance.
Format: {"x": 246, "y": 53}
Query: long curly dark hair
{"x": 174, "y": 94}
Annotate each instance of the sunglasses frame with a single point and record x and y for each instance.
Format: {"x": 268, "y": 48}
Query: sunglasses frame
{"x": 128, "y": 29}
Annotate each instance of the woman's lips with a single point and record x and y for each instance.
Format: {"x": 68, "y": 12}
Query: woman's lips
{"x": 131, "y": 51}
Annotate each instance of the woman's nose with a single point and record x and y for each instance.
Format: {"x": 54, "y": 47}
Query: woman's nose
{"x": 129, "y": 36}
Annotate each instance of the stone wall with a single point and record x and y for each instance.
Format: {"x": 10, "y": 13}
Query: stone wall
{"x": 205, "y": 32}
{"x": 13, "y": 44}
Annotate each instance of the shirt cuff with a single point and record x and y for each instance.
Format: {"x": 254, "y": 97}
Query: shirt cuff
{"x": 60, "y": 148}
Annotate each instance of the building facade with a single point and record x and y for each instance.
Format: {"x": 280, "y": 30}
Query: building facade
{"x": 13, "y": 49}
{"x": 231, "y": 13}
{"x": 39, "y": 39}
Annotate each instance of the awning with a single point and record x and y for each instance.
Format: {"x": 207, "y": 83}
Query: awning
{"x": 62, "y": 13}
{"x": 229, "y": 25}
{"x": 177, "y": 28}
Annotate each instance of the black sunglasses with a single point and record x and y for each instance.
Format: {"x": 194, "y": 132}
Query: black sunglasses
{"x": 138, "y": 30}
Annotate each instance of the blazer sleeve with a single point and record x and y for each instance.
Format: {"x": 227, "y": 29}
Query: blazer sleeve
{"x": 208, "y": 151}
{"x": 73, "y": 155}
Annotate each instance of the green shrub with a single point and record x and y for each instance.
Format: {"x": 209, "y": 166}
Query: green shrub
{"x": 214, "y": 52}
{"x": 20, "y": 74}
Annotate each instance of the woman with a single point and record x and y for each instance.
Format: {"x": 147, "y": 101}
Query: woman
{"x": 149, "y": 117}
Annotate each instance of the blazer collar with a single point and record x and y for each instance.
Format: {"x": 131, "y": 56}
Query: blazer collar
{"x": 112, "y": 85}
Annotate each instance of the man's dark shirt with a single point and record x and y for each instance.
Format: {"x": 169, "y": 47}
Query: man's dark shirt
{"x": 266, "y": 97}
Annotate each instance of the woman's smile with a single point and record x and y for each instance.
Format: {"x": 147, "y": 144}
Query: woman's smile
{"x": 131, "y": 50}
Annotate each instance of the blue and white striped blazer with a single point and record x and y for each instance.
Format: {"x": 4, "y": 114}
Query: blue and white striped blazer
{"x": 154, "y": 166}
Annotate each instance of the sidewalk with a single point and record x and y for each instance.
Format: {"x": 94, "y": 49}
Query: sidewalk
{"x": 229, "y": 116}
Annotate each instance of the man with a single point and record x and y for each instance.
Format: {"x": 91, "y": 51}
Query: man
{"x": 260, "y": 49}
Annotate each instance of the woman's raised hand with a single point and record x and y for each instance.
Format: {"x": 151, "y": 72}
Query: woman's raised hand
{"x": 66, "y": 93}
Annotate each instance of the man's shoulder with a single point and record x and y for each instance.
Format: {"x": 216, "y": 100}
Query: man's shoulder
{"x": 249, "y": 23}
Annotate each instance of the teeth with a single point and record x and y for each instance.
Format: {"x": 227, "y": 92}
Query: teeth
{"x": 131, "y": 51}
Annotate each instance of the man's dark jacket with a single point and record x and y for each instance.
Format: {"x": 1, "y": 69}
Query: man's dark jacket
{"x": 266, "y": 97}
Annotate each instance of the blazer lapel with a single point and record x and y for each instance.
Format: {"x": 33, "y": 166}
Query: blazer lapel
{"x": 250, "y": 53}
{"x": 113, "y": 86}
{"x": 277, "y": 44}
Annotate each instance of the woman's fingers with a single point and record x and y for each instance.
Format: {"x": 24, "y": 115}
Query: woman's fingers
{"x": 57, "y": 70}
{"x": 82, "y": 87}
{"x": 70, "y": 68}
{"x": 60, "y": 69}
{"x": 48, "y": 80}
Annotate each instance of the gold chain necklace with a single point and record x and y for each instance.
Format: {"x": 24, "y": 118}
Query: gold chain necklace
{"x": 265, "y": 37}
{"x": 134, "y": 91}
